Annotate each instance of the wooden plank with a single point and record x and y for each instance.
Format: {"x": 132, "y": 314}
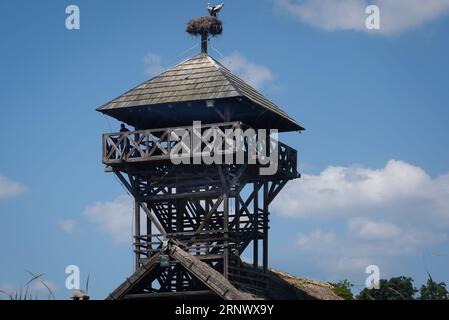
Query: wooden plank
{"x": 137, "y": 230}
{"x": 182, "y": 295}
{"x": 209, "y": 276}
{"x": 256, "y": 241}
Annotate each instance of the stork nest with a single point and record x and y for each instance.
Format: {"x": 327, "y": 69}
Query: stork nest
{"x": 205, "y": 25}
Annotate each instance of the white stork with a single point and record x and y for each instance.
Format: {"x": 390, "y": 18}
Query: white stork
{"x": 213, "y": 11}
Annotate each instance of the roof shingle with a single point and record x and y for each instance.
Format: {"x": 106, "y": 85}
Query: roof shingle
{"x": 198, "y": 78}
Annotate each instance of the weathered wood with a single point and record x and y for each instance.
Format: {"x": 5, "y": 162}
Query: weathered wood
{"x": 209, "y": 276}
{"x": 153, "y": 219}
{"x": 226, "y": 236}
{"x": 157, "y": 144}
{"x": 190, "y": 206}
{"x": 138, "y": 276}
{"x": 256, "y": 240}
{"x": 209, "y": 214}
{"x": 182, "y": 295}
{"x": 137, "y": 229}
{"x": 265, "y": 227}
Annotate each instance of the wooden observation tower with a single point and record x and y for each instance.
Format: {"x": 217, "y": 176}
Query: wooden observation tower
{"x": 194, "y": 220}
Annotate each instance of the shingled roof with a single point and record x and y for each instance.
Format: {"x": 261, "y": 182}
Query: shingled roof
{"x": 196, "y": 79}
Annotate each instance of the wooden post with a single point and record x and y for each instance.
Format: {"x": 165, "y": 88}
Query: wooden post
{"x": 207, "y": 209}
{"x": 204, "y": 43}
{"x": 265, "y": 226}
{"x": 237, "y": 229}
{"x": 137, "y": 231}
{"x": 266, "y": 203}
{"x": 226, "y": 235}
{"x": 149, "y": 238}
{"x": 255, "y": 222}
{"x": 237, "y": 220}
{"x": 227, "y": 113}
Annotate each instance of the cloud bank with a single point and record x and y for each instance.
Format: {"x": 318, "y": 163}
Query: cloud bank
{"x": 386, "y": 213}
{"x": 398, "y": 188}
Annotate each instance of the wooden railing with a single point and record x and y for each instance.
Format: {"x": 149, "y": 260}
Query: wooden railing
{"x": 158, "y": 144}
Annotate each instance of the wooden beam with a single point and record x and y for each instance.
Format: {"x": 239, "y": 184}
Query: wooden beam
{"x": 226, "y": 235}
{"x": 208, "y": 276}
{"x": 153, "y": 219}
{"x": 183, "y": 295}
{"x": 209, "y": 214}
{"x": 137, "y": 229}
{"x": 265, "y": 226}
{"x": 255, "y": 213}
{"x": 149, "y": 239}
{"x": 135, "y": 279}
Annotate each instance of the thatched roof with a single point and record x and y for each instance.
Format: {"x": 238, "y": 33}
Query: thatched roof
{"x": 308, "y": 289}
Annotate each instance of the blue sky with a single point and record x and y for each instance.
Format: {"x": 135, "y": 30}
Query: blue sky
{"x": 374, "y": 156}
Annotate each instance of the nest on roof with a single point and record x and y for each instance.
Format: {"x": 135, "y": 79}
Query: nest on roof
{"x": 205, "y": 25}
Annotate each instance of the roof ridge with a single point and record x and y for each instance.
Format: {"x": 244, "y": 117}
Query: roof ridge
{"x": 240, "y": 90}
{"x": 220, "y": 68}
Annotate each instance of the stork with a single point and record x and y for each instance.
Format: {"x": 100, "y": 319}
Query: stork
{"x": 213, "y": 11}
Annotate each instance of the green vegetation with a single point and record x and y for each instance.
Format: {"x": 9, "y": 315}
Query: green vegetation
{"x": 434, "y": 291}
{"x": 396, "y": 288}
{"x": 343, "y": 289}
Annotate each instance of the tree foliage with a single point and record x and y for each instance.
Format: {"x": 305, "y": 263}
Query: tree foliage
{"x": 433, "y": 290}
{"x": 343, "y": 289}
{"x": 397, "y": 288}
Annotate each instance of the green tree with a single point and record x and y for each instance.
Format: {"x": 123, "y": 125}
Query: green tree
{"x": 397, "y": 288}
{"x": 434, "y": 291}
{"x": 343, "y": 289}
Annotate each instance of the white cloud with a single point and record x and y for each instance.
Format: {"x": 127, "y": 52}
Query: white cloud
{"x": 396, "y": 15}
{"x": 387, "y": 213}
{"x": 256, "y": 75}
{"x": 347, "y": 255}
{"x": 397, "y": 188}
{"x": 364, "y": 243}
{"x": 69, "y": 226}
{"x": 329, "y": 14}
{"x": 113, "y": 218}
{"x": 10, "y": 189}
{"x": 368, "y": 229}
{"x": 153, "y": 64}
